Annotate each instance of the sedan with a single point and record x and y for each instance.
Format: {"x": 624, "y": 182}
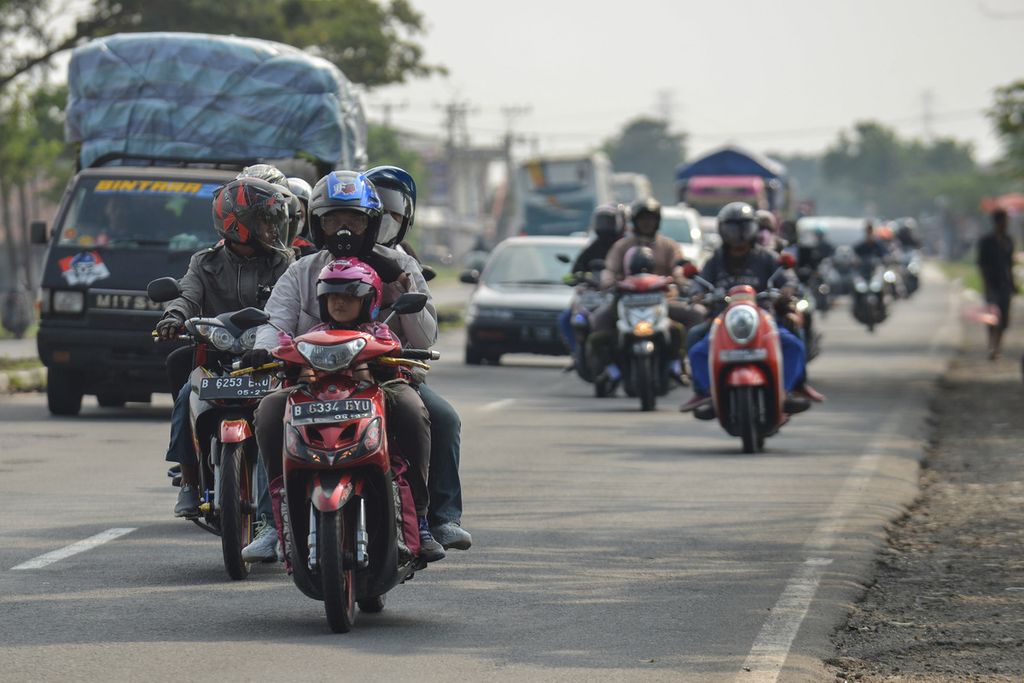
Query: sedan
{"x": 519, "y": 297}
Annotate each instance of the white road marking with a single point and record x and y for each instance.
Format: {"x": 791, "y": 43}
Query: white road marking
{"x": 497, "y": 405}
{"x": 73, "y": 549}
{"x": 771, "y": 647}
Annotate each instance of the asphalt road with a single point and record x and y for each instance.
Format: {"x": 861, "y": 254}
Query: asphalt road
{"x": 607, "y": 542}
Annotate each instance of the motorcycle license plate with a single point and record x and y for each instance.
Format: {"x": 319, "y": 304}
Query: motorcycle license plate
{"x": 538, "y": 333}
{"x": 741, "y": 355}
{"x": 331, "y": 411}
{"x": 221, "y": 388}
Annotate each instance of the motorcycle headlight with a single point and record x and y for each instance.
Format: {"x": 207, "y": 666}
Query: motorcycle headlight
{"x": 248, "y": 339}
{"x": 218, "y": 336}
{"x": 860, "y": 286}
{"x": 741, "y": 324}
{"x": 643, "y": 314}
{"x": 876, "y": 285}
{"x": 333, "y": 357}
{"x": 890, "y": 276}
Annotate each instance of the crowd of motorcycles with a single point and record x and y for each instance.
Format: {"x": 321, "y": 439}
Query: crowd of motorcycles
{"x": 746, "y": 375}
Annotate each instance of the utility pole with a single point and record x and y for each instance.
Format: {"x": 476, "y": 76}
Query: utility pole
{"x": 509, "y": 208}
{"x": 665, "y": 106}
{"x": 928, "y": 114}
{"x": 456, "y": 137}
{"x": 388, "y": 107}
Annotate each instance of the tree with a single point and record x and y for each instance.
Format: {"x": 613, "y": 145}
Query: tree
{"x": 372, "y": 43}
{"x": 646, "y": 146}
{"x": 1008, "y": 116}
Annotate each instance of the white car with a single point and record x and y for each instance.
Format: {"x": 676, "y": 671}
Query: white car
{"x": 682, "y": 223}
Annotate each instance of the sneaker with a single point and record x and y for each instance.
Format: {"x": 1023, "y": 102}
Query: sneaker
{"x": 807, "y": 391}
{"x": 430, "y": 550}
{"x": 188, "y": 502}
{"x": 695, "y": 401}
{"x": 452, "y": 535}
{"x": 264, "y": 544}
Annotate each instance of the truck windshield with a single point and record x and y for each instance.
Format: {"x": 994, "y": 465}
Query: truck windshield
{"x": 120, "y": 213}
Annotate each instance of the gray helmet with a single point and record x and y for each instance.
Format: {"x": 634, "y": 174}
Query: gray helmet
{"x": 737, "y": 224}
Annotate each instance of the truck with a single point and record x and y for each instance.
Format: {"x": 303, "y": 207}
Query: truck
{"x": 161, "y": 120}
{"x": 731, "y": 174}
{"x": 558, "y": 194}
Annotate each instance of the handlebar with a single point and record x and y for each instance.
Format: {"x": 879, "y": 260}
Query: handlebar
{"x": 272, "y": 365}
{"x": 420, "y": 354}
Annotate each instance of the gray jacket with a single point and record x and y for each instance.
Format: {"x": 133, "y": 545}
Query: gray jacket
{"x": 293, "y": 306}
{"x": 218, "y": 281}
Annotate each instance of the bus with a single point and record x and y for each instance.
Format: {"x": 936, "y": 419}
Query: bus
{"x": 558, "y": 194}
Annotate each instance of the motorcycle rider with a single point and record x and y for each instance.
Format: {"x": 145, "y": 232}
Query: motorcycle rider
{"x": 741, "y": 261}
{"x": 251, "y": 217}
{"x": 645, "y": 215}
{"x": 345, "y": 218}
{"x": 608, "y": 224}
{"x": 397, "y": 191}
{"x": 299, "y": 229}
{"x": 768, "y": 231}
{"x": 870, "y": 247}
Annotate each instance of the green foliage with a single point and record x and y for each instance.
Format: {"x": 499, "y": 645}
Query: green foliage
{"x": 31, "y": 132}
{"x": 1008, "y": 116}
{"x": 646, "y": 146}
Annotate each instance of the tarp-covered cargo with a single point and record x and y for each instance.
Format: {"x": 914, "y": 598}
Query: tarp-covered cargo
{"x": 198, "y": 96}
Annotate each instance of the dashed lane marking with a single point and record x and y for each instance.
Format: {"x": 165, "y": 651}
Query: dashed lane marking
{"x": 73, "y": 549}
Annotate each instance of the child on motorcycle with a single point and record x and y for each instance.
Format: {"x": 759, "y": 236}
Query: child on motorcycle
{"x": 349, "y": 293}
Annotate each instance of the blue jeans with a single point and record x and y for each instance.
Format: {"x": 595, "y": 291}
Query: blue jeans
{"x": 794, "y": 356}
{"x": 181, "y": 450}
{"x": 565, "y": 327}
{"x": 443, "y": 483}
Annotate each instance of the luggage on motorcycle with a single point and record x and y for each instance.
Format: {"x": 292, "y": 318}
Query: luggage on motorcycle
{"x": 408, "y": 536}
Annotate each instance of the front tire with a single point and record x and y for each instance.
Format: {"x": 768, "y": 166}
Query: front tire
{"x": 337, "y": 581}
{"x": 643, "y": 382}
{"x": 236, "y": 513}
{"x": 746, "y": 414}
{"x": 63, "y": 392}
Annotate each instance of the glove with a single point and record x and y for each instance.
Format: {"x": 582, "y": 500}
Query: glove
{"x": 254, "y": 358}
{"x": 386, "y": 268}
{"x": 169, "y": 326}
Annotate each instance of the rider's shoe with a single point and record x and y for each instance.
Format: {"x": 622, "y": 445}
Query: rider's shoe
{"x": 695, "y": 401}
{"x": 430, "y": 550}
{"x": 264, "y": 545}
{"x": 452, "y": 535}
{"x": 795, "y": 404}
{"x": 188, "y": 501}
{"x": 807, "y": 391}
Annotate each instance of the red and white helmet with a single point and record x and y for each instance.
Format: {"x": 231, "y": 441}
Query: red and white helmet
{"x": 352, "y": 277}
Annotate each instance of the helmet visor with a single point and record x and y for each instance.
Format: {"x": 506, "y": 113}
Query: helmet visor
{"x": 353, "y": 221}
{"x": 354, "y": 288}
{"x": 390, "y": 227}
{"x": 738, "y": 232}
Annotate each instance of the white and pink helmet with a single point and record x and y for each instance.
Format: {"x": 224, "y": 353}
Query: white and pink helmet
{"x": 352, "y": 277}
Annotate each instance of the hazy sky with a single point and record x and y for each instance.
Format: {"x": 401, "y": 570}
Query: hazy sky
{"x": 782, "y": 75}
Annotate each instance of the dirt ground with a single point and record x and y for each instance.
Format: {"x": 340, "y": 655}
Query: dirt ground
{"x": 947, "y": 601}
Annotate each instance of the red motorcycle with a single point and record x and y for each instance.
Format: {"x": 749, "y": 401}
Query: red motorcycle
{"x": 346, "y": 508}
{"x": 644, "y": 340}
{"x": 747, "y": 391}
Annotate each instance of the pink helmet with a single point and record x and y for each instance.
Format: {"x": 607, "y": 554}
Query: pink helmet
{"x": 352, "y": 277}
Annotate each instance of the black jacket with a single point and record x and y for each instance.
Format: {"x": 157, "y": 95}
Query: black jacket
{"x": 995, "y": 260}
{"x": 759, "y": 269}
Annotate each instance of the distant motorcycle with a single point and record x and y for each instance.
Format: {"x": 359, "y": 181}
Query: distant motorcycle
{"x": 870, "y": 294}
{"x": 221, "y": 411}
{"x": 587, "y": 298}
{"x": 644, "y": 338}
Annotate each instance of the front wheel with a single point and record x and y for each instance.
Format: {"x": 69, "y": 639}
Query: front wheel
{"x": 63, "y": 392}
{"x": 236, "y": 511}
{"x": 338, "y": 588}
{"x": 746, "y": 414}
{"x": 643, "y": 381}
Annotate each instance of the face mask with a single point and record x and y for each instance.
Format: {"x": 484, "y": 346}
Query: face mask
{"x": 344, "y": 243}
{"x": 389, "y": 229}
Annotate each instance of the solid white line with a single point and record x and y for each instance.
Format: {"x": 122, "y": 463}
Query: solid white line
{"x": 764, "y": 663}
{"x": 73, "y": 549}
{"x": 497, "y": 405}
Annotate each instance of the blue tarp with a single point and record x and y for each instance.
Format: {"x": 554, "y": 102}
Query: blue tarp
{"x": 732, "y": 161}
{"x": 210, "y": 97}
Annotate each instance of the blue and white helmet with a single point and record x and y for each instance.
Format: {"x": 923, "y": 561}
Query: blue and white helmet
{"x": 345, "y": 190}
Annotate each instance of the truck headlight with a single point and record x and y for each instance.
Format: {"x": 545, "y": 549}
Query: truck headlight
{"x": 67, "y": 301}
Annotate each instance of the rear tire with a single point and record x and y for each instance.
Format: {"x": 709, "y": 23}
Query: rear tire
{"x": 374, "y": 605}
{"x": 746, "y": 413}
{"x": 236, "y": 513}
{"x": 63, "y": 392}
{"x": 473, "y": 357}
{"x": 337, "y": 582}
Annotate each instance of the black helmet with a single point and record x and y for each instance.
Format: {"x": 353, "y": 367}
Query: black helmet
{"x": 641, "y": 206}
{"x": 397, "y": 191}
{"x": 639, "y": 260}
{"x": 608, "y": 222}
{"x": 240, "y": 206}
{"x": 265, "y": 172}
{"x": 737, "y": 224}
{"x": 299, "y": 208}
{"x": 345, "y": 190}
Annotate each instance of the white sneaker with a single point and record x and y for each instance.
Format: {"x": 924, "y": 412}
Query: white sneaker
{"x": 264, "y": 545}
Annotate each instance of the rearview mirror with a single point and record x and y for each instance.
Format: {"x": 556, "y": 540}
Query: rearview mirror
{"x": 428, "y": 273}
{"x": 787, "y": 260}
{"x": 470, "y": 277}
{"x": 163, "y": 289}
{"x": 38, "y": 233}
{"x": 249, "y": 317}
{"x": 690, "y": 271}
{"x": 564, "y": 258}
{"x": 410, "y": 302}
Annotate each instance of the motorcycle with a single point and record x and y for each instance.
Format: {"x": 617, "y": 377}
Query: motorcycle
{"x": 221, "y": 411}
{"x": 911, "y": 264}
{"x": 587, "y": 298}
{"x": 346, "y": 509}
{"x": 870, "y": 299}
{"x": 644, "y": 338}
{"x": 747, "y": 392}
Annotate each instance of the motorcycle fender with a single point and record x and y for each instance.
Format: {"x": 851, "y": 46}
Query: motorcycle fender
{"x": 327, "y": 498}
{"x": 746, "y": 376}
{"x": 235, "y": 431}
{"x": 643, "y": 348}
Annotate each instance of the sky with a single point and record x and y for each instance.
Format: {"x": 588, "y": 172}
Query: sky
{"x": 778, "y": 75}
